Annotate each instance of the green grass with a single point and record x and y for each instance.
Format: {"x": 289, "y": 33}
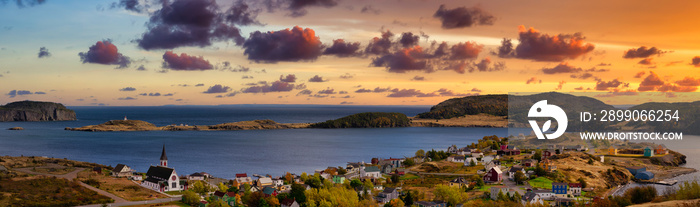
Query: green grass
{"x": 174, "y": 192}
{"x": 409, "y": 177}
{"x": 485, "y": 188}
{"x": 541, "y": 182}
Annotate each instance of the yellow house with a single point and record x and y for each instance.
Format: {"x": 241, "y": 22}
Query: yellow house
{"x": 612, "y": 151}
{"x": 459, "y": 182}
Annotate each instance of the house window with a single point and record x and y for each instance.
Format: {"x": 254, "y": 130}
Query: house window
{"x": 174, "y": 185}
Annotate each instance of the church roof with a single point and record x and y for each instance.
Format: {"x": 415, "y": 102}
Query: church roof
{"x": 159, "y": 172}
{"x": 162, "y": 155}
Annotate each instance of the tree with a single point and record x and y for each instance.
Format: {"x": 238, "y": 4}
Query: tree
{"x": 583, "y": 182}
{"x": 341, "y": 171}
{"x": 539, "y": 171}
{"x": 516, "y": 197}
{"x": 472, "y": 163}
{"x": 537, "y": 156}
{"x": 501, "y": 196}
{"x": 420, "y": 153}
{"x": 408, "y": 162}
{"x": 395, "y": 203}
{"x": 395, "y": 178}
{"x": 297, "y": 193}
{"x": 355, "y": 183}
{"x": 232, "y": 189}
{"x": 288, "y": 177}
{"x": 222, "y": 187}
{"x": 246, "y": 187}
{"x": 190, "y": 198}
{"x": 368, "y": 185}
{"x": 200, "y": 188}
{"x": 519, "y": 177}
{"x": 218, "y": 203}
{"x": 341, "y": 197}
{"x": 407, "y": 198}
{"x": 452, "y": 196}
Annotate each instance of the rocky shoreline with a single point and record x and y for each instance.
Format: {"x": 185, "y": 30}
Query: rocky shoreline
{"x": 137, "y": 125}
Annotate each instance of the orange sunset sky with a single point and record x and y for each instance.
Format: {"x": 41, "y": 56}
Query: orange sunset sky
{"x": 393, "y": 52}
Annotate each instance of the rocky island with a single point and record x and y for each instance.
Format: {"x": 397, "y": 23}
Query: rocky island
{"x": 35, "y": 111}
{"x": 138, "y": 125}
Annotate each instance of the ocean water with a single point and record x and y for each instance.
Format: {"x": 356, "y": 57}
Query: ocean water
{"x": 225, "y": 153}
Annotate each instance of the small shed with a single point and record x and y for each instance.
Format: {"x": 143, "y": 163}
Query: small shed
{"x": 648, "y": 152}
{"x": 636, "y": 169}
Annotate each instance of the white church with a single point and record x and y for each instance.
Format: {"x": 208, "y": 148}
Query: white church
{"x": 162, "y": 178}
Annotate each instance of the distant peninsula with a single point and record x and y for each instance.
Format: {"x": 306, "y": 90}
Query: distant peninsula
{"x": 35, "y": 111}
{"x": 367, "y": 120}
{"x": 138, "y": 125}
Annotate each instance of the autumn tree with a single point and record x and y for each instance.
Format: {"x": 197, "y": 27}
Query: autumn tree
{"x": 452, "y": 196}
{"x": 395, "y": 203}
{"x": 420, "y": 153}
{"x": 190, "y": 198}
{"x": 341, "y": 197}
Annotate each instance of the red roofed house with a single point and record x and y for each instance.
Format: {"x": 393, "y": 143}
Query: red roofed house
{"x": 494, "y": 175}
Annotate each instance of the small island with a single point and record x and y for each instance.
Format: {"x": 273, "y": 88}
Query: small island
{"x": 35, "y": 111}
{"x": 138, "y": 125}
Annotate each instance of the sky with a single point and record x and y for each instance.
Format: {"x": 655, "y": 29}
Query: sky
{"x": 362, "y": 52}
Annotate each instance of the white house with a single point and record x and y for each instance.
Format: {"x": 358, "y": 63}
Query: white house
{"x": 487, "y": 159}
{"x": 264, "y": 181}
{"x": 513, "y": 170}
{"x": 122, "y": 170}
{"x": 545, "y": 194}
{"x": 161, "y": 178}
{"x": 531, "y": 198}
{"x": 468, "y": 161}
{"x": 278, "y": 182}
{"x": 195, "y": 176}
{"x": 370, "y": 172}
{"x": 503, "y": 189}
{"x": 455, "y": 158}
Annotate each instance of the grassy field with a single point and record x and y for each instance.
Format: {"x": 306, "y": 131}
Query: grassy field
{"x": 54, "y": 170}
{"x": 47, "y": 191}
{"x": 120, "y": 187}
{"x": 541, "y": 182}
{"x": 409, "y": 177}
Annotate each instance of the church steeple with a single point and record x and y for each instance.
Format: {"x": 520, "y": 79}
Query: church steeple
{"x": 163, "y": 158}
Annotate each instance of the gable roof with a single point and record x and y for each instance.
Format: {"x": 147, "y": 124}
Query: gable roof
{"x": 515, "y": 168}
{"x": 372, "y": 169}
{"x": 159, "y": 172}
{"x": 265, "y": 180}
{"x": 119, "y": 167}
{"x": 287, "y": 202}
{"x": 529, "y": 196}
{"x": 459, "y": 180}
{"x": 219, "y": 193}
{"x": 240, "y": 175}
{"x": 497, "y": 169}
{"x": 268, "y": 190}
{"x": 388, "y": 190}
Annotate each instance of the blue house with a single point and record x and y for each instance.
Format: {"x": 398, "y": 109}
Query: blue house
{"x": 560, "y": 188}
{"x": 646, "y": 175}
{"x": 648, "y": 152}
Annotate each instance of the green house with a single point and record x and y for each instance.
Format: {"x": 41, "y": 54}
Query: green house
{"x": 229, "y": 198}
{"x": 338, "y": 179}
{"x": 648, "y": 152}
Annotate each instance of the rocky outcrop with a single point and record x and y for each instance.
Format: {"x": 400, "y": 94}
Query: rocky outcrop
{"x": 138, "y": 125}
{"x": 16, "y": 128}
{"x": 35, "y": 111}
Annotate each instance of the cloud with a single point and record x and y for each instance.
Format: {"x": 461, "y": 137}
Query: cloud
{"x": 543, "y": 47}
{"x": 376, "y": 90}
{"x": 193, "y": 23}
{"x": 465, "y": 50}
{"x": 399, "y": 93}
{"x": 646, "y": 61}
{"x": 44, "y": 53}
{"x": 168, "y": 94}
{"x": 291, "y": 78}
{"x": 241, "y": 14}
{"x": 341, "y": 48}
{"x": 560, "y": 86}
{"x": 688, "y": 81}
{"x": 533, "y": 80}
{"x": 418, "y": 78}
{"x": 106, "y": 53}
{"x": 346, "y": 102}
{"x": 24, "y": 3}
{"x": 406, "y": 59}
{"x": 505, "y": 50}
{"x": 127, "y": 89}
{"x": 247, "y": 77}
{"x": 485, "y": 66}
{"x": 407, "y": 39}
{"x": 217, "y": 89}
{"x": 615, "y": 93}
{"x": 131, "y": 5}
{"x": 642, "y": 52}
{"x": 128, "y": 98}
{"x": 639, "y": 74}
{"x": 583, "y": 76}
{"x": 562, "y": 68}
{"x": 476, "y": 90}
{"x": 305, "y": 92}
{"x": 294, "y": 44}
{"x": 613, "y": 84}
{"x": 150, "y": 94}
{"x": 14, "y": 93}
{"x": 277, "y": 86}
{"x": 185, "y": 62}
{"x": 370, "y": 9}
{"x": 446, "y": 92}
{"x": 40, "y": 93}
{"x": 461, "y": 17}
{"x": 327, "y": 91}
{"x": 380, "y": 45}
{"x": 317, "y": 79}
{"x": 199, "y": 84}
{"x": 141, "y": 68}
{"x": 347, "y": 76}
{"x": 696, "y": 61}
{"x": 232, "y": 94}
{"x": 298, "y": 7}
